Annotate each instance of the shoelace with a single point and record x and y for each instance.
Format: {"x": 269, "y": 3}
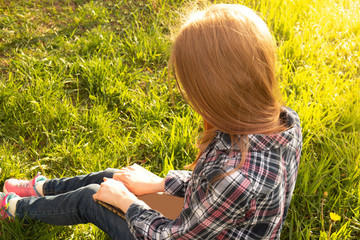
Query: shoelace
{"x": 23, "y": 183}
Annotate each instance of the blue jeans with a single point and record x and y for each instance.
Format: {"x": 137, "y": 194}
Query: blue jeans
{"x": 68, "y": 201}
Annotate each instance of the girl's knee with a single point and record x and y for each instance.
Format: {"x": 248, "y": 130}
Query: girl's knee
{"x": 84, "y": 197}
{"x": 91, "y": 189}
{"x": 109, "y": 172}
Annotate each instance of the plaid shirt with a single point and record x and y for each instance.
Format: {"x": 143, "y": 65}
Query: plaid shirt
{"x": 251, "y": 203}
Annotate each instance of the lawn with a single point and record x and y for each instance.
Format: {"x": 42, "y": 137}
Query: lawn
{"x": 84, "y": 86}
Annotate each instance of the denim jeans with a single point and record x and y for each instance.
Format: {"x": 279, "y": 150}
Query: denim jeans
{"x": 68, "y": 201}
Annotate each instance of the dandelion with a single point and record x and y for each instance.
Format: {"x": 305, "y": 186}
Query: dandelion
{"x": 335, "y": 217}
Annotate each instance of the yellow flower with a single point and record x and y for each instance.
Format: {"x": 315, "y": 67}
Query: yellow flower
{"x": 334, "y": 217}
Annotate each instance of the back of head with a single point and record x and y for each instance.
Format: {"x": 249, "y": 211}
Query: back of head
{"x": 224, "y": 61}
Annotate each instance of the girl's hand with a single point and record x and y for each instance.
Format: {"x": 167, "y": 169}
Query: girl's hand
{"x": 139, "y": 180}
{"x": 115, "y": 193}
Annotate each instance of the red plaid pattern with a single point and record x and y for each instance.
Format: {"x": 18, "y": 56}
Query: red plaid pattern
{"x": 251, "y": 203}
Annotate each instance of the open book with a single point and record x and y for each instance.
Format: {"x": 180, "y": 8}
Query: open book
{"x": 170, "y": 206}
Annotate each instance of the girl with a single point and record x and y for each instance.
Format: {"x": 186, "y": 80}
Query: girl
{"x": 243, "y": 178}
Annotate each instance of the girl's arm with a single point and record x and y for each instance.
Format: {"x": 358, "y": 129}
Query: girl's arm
{"x": 176, "y": 182}
{"x": 227, "y": 203}
{"x": 141, "y": 181}
{"x": 115, "y": 193}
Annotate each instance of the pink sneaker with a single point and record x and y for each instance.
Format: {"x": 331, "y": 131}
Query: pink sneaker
{"x": 4, "y": 204}
{"x": 23, "y": 188}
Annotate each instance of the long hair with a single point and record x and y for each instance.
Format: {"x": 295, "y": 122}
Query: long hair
{"x": 223, "y": 60}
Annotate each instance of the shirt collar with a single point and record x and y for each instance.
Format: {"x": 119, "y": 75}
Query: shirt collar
{"x": 259, "y": 142}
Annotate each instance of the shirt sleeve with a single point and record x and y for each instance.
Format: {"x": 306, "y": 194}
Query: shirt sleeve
{"x": 204, "y": 215}
{"x": 176, "y": 182}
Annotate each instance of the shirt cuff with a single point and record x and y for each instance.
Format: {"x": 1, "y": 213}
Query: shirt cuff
{"x": 176, "y": 182}
{"x": 139, "y": 217}
{"x": 135, "y": 209}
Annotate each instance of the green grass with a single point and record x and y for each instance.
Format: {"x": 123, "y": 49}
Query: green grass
{"x": 84, "y": 86}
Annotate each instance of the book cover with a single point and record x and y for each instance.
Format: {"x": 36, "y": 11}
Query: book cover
{"x": 170, "y": 206}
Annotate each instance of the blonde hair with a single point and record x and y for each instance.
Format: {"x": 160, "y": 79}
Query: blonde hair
{"x": 223, "y": 60}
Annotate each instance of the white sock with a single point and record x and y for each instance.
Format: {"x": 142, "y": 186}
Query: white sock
{"x": 12, "y": 206}
{"x": 39, "y": 187}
